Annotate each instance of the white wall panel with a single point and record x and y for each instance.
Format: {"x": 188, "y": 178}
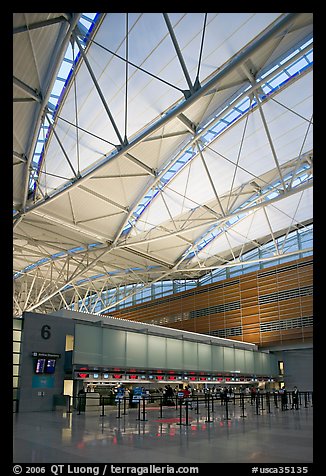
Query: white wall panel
{"x": 136, "y": 350}
{"x": 114, "y": 347}
{"x": 157, "y": 352}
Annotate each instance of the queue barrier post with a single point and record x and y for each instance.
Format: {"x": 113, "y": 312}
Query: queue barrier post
{"x": 144, "y": 419}
{"x": 161, "y": 407}
{"x": 208, "y": 420}
{"x": 119, "y": 408}
{"x": 187, "y": 415}
{"x": 124, "y": 406}
{"x": 262, "y": 402}
{"x": 227, "y": 409}
{"x": 257, "y": 405}
{"x": 180, "y": 413}
{"x": 102, "y": 404}
{"x": 138, "y": 410}
{"x": 268, "y": 403}
{"x": 197, "y": 406}
{"x": 242, "y": 406}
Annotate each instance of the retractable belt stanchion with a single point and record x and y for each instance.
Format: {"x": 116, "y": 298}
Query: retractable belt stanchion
{"x": 208, "y": 410}
{"x": 102, "y": 403}
{"x": 144, "y": 419}
{"x": 180, "y": 414}
{"x": 227, "y": 409}
{"x": 257, "y": 404}
{"x": 197, "y": 407}
{"x": 242, "y": 406}
{"x": 262, "y": 401}
{"x": 305, "y": 400}
{"x": 119, "y": 405}
{"x": 187, "y": 416}
{"x": 124, "y": 406}
{"x": 212, "y": 403}
{"x": 161, "y": 407}
{"x": 138, "y": 410}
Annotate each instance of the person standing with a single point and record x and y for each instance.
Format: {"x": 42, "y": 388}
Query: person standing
{"x": 284, "y": 399}
{"x": 295, "y": 398}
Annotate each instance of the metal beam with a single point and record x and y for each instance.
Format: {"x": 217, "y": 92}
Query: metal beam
{"x": 252, "y": 80}
{"x": 140, "y": 164}
{"x": 210, "y": 178}
{"x": 269, "y": 138}
{"x": 21, "y": 157}
{"x": 61, "y": 147}
{"x": 32, "y": 93}
{"x": 105, "y": 199}
{"x": 106, "y": 107}
{"x": 39, "y": 24}
{"x": 178, "y": 51}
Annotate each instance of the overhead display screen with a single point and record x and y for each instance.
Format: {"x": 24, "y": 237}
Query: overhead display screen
{"x": 40, "y": 366}
{"x": 50, "y": 366}
{"x": 44, "y": 366}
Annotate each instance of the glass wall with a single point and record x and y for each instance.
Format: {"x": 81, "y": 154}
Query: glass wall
{"x": 300, "y": 239}
{"x": 110, "y": 347}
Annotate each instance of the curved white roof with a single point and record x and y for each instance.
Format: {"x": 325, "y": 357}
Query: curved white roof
{"x": 180, "y": 141}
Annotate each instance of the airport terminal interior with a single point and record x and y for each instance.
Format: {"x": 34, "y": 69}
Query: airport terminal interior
{"x": 163, "y": 238}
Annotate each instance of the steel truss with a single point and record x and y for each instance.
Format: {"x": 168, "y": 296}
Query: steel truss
{"x": 68, "y": 279}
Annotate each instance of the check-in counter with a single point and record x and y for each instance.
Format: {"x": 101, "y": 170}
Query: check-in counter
{"x": 92, "y": 401}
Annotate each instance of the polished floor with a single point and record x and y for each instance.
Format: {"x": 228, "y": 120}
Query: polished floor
{"x": 62, "y": 437}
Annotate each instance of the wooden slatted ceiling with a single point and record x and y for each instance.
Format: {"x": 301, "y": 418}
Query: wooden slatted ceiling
{"x": 279, "y": 293}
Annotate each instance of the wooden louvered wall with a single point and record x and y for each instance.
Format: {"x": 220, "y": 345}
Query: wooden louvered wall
{"x": 266, "y": 307}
